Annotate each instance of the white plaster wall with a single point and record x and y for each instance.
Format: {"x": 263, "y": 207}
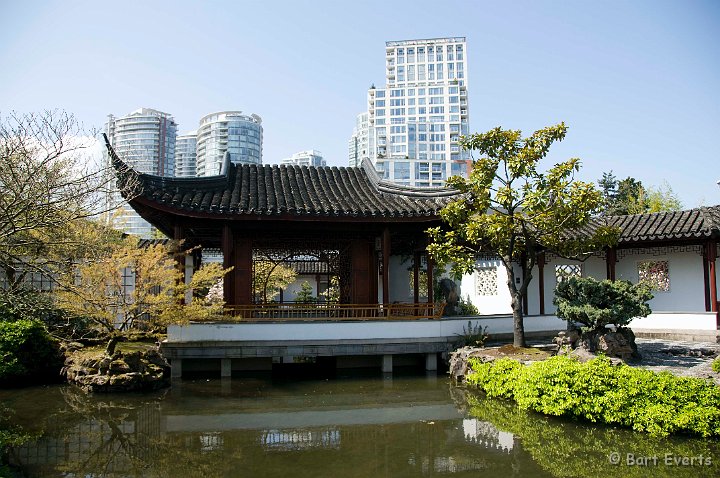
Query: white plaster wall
{"x": 685, "y": 321}
{"x": 399, "y": 283}
{"x": 406, "y": 330}
{"x": 290, "y": 292}
{"x": 687, "y": 287}
{"x": 686, "y": 281}
{"x": 488, "y": 304}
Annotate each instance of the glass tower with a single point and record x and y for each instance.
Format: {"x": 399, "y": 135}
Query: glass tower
{"x": 305, "y": 158}
{"x": 415, "y": 122}
{"x": 145, "y": 140}
{"x": 239, "y": 134}
{"x": 186, "y": 155}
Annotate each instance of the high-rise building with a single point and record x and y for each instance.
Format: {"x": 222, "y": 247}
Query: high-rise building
{"x": 239, "y": 134}
{"x": 305, "y": 158}
{"x": 358, "y": 144}
{"x": 415, "y": 121}
{"x": 186, "y": 155}
{"x": 144, "y": 139}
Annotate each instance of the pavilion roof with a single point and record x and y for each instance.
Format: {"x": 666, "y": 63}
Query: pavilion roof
{"x": 284, "y": 190}
{"x": 697, "y": 223}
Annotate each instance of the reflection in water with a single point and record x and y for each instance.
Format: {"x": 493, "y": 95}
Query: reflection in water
{"x": 350, "y": 428}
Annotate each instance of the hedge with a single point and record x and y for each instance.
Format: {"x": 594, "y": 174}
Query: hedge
{"x": 27, "y": 353}
{"x": 597, "y": 391}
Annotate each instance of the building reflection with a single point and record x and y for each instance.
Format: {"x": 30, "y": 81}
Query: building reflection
{"x": 400, "y": 436}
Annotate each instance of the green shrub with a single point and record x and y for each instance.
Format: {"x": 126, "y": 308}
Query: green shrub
{"x": 27, "y": 353}
{"x": 597, "y": 391}
{"x": 716, "y": 365}
{"x": 596, "y": 304}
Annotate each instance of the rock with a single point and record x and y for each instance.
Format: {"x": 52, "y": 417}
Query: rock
{"x": 567, "y": 339}
{"x": 118, "y": 367}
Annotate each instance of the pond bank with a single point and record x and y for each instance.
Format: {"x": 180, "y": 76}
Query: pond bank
{"x": 684, "y": 359}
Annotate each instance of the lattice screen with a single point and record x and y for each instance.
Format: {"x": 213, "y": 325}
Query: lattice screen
{"x": 565, "y": 271}
{"x": 656, "y": 274}
{"x": 486, "y": 281}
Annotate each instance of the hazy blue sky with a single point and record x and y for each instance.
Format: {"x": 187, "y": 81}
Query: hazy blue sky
{"x": 637, "y": 82}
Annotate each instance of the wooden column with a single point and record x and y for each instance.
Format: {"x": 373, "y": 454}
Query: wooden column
{"x": 541, "y": 281}
{"x": 430, "y": 291}
{"x": 243, "y": 271}
{"x": 361, "y": 256}
{"x": 228, "y": 250}
{"x": 180, "y": 260}
{"x": 711, "y": 258}
{"x": 610, "y": 261}
{"x": 416, "y": 277}
{"x": 386, "y": 245}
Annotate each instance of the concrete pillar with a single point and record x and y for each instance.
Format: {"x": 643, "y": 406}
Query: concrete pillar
{"x": 387, "y": 364}
{"x": 431, "y": 361}
{"x": 225, "y": 367}
{"x": 176, "y": 368}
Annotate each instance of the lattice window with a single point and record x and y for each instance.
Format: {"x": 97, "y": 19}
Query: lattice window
{"x": 486, "y": 281}
{"x": 566, "y": 271}
{"x": 656, "y": 274}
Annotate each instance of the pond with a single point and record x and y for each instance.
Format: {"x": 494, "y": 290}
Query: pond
{"x": 354, "y": 426}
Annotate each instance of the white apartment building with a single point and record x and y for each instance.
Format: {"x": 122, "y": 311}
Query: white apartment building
{"x": 358, "y": 144}
{"x": 145, "y": 139}
{"x": 415, "y": 121}
{"x": 239, "y": 134}
{"x": 186, "y": 155}
{"x": 310, "y": 157}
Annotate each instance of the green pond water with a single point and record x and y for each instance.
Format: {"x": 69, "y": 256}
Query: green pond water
{"x": 404, "y": 426}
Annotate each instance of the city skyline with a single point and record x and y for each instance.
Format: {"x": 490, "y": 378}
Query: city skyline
{"x": 636, "y": 82}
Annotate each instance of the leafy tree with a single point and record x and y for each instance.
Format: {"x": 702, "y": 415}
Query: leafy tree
{"x": 629, "y": 196}
{"x": 596, "y": 304}
{"x": 137, "y": 287}
{"x": 49, "y": 182}
{"x": 270, "y": 277}
{"x": 305, "y": 295}
{"x": 509, "y": 208}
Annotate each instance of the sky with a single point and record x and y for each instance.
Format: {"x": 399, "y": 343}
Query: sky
{"x": 636, "y": 81}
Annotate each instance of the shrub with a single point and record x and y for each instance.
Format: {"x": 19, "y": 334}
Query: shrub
{"x": 473, "y": 335}
{"x": 716, "y": 365}
{"x": 596, "y": 304}
{"x": 27, "y": 353}
{"x": 659, "y": 404}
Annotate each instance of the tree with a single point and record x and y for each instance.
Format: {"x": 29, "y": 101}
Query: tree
{"x": 305, "y": 295}
{"x": 629, "y": 196}
{"x": 509, "y": 208}
{"x": 269, "y": 277}
{"x": 137, "y": 287}
{"x": 49, "y": 182}
{"x": 596, "y": 304}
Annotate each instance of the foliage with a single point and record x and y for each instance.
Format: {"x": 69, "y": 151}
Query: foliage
{"x": 475, "y": 335}
{"x": 49, "y": 186}
{"x": 629, "y": 196}
{"x": 596, "y": 304}
{"x": 716, "y": 365}
{"x": 270, "y": 277}
{"x": 467, "y": 307}
{"x": 27, "y": 353}
{"x": 304, "y": 295}
{"x": 583, "y": 450}
{"x": 510, "y": 208}
{"x": 597, "y": 391}
{"x": 95, "y": 289}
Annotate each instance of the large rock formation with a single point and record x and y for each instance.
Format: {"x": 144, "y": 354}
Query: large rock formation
{"x": 121, "y": 372}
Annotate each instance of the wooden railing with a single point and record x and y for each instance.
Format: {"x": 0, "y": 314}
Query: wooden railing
{"x": 333, "y": 312}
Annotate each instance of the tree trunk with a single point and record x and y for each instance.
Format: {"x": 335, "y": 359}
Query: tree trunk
{"x": 110, "y": 348}
{"x": 518, "y": 322}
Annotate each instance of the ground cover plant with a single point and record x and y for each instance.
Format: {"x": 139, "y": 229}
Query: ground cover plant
{"x": 599, "y": 392}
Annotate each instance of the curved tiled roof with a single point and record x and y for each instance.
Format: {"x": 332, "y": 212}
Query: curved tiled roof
{"x": 698, "y": 223}
{"x": 267, "y": 190}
